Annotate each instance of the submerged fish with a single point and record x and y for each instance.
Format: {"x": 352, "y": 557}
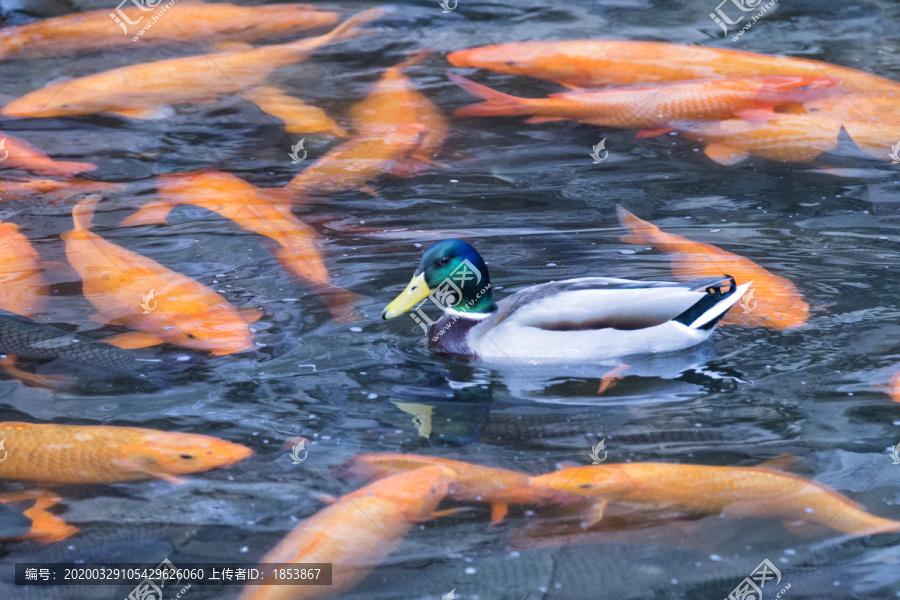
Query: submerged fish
{"x": 266, "y": 211}
{"x": 351, "y": 165}
{"x": 147, "y": 90}
{"x": 468, "y": 482}
{"x": 355, "y": 533}
{"x": 53, "y": 454}
{"x": 779, "y": 137}
{"x": 776, "y": 302}
{"x": 21, "y": 338}
{"x": 650, "y": 107}
{"x": 393, "y": 101}
{"x": 121, "y": 286}
{"x": 50, "y": 190}
{"x": 298, "y": 116}
{"x": 46, "y": 527}
{"x": 183, "y": 23}
{"x": 23, "y": 287}
{"x": 25, "y": 157}
{"x": 707, "y": 490}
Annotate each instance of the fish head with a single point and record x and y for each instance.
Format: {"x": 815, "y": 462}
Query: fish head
{"x": 534, "y": 58}
{"x": 416, "y": 493}
{"x": 165, "y": 453}
{"x": 589, "y": 480}
{"x": 58, "y": 100}
{"x": 219, "y": 332}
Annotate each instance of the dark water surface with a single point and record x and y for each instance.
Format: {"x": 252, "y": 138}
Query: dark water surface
{"x": 530, "y": 199}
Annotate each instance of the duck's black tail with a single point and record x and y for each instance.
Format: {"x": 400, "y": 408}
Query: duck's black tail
{"x": 710, "y": 309}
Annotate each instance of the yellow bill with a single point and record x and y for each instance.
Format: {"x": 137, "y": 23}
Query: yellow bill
{"x": 415, "y": 292}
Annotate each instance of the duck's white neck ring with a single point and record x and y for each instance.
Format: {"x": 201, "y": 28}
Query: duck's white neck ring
{"x": 476, "y": 316}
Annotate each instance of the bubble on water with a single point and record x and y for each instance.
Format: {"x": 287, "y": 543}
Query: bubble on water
{"x": 715, "y": 557}
{"x": 372, "y": 396}
{"x": 245, "y": 549}
{"x": 356, "y": 329}
{"x": 627, "y": 251}
{"x": 471, "y": 570}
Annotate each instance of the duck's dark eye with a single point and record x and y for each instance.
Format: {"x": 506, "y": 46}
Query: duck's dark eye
{"x": 445, "y": 260}
{"x": 187, "y": 457}
{"x": 191, "y": 336}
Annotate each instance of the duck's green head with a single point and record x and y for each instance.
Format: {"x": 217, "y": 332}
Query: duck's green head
{"x": 455, "y": 273}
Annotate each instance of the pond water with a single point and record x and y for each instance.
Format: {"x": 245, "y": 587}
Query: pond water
{"x": 531, "y": 200}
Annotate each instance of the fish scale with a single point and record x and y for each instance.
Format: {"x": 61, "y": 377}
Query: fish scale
{"x": 734, "y": 491}
{"x": 61, "y": 454}
{"x": 650, "y": 107}
{"x": 29, "y": 340}
{"x": 355, "y": 532}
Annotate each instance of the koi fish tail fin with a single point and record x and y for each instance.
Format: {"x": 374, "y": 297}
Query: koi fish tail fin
{"x": 83, "y": 213}
{"x": 152, "y": 213}
{"x": 496, "y": 103}
{"x": 415, "y": 58}
{"x": 347, "y": 29}
{"x": 642, "y": 232}
{"x": 878, "y": 525}
{"x": 340, "y": 303}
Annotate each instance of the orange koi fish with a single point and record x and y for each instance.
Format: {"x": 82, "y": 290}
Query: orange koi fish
{"x": 183, "y": 23}
{"x": 779, "y": 137}
{"x": 123, "y": 287}
{"x": 53, "y": 454}
{"x": 650, "y": 107}
{"x": 46, "y": 527}
{"x": 298, "y": 116}
{"x": 25, "y": 157}
{"x": 894, "y": 387}
{"x": 23, "y": 287}
{"x": 596, "y": 63}
{"x": 706, "y": 490}
{"x": 351, "y": 165}
{"x": 265, "y": 211}
{"x": 468, "y": 482}
{"x": 776, "y": 303}
{"x": 146, "y": 90}
{"x": 355, "y": 533}
{"x": 51, "y": 190}
{"x": 394, "y": 101}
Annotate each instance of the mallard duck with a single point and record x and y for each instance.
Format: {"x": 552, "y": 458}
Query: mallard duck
{"x": 576, "y": 320}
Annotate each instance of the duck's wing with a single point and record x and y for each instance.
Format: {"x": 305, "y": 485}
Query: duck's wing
{"x": 591, "y": 303}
